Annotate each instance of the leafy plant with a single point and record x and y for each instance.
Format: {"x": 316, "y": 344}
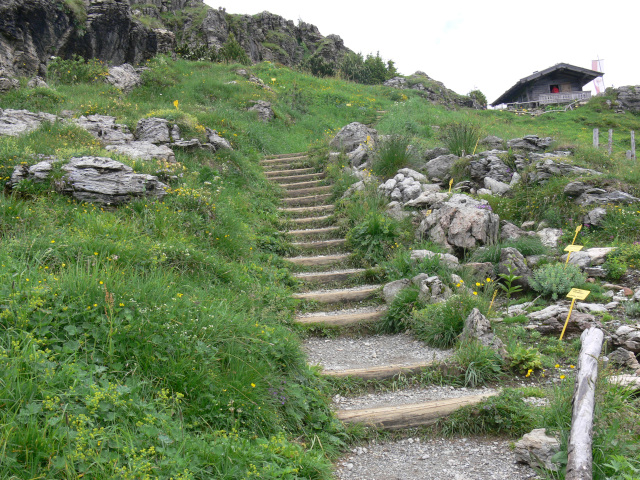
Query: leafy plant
{"x": 525, "y": 360}
{"x": 618, "y": 261}
{"x": 76, "y": 70}
{"x": 507, "y": 283}
{"x": 374, "y": 237}
{"x": 556, "y": 279}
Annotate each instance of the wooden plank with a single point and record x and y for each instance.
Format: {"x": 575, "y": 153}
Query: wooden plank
{"x": 328, "y": 277}
{"x": 633, "y": 145}
{"x": 313, "y": 231}
{"x": 596, "y": 137}
{"x": 307, "y": 220}
{"x": 342, "y": 320}
{"x": 285, "y": 155}
{"x": 409, "y": 416}
{"x": 319, "y": 260}
{"x": 379, "y": 373}
{"x": 610, "y": 145}
{"x": 301, "y": 192}
{"x": 337, "y": 296}
{"x": 283, "y": 173}
{"x": 310, "y": 200}
{"x": 297, "y": 178}
{"x": 320, "y": 244}
{"x": 580, "y": 461}
{"x": 298, "y": 185}
{"x": 307, "y": 210}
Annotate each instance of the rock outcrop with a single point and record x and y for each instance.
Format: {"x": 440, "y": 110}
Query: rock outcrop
{"x": 629, "y": 98}
{"x": 17, "y": 122}
{"x": 352, "y": 136}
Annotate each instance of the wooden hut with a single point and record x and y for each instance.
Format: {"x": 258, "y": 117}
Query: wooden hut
{"x": 561, "y": 83}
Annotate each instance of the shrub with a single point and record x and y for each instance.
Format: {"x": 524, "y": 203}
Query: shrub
{"x": 461, "y": 138}
{"x": 374, "y": 237}
{"x": 76, "y": 70}
{"x": 480, "y": 364}
{"x": 479, "y": 97}
{"x": 556, "y": 279}
{"x": 440, "y": 324}
{"x": 397, "y": 318}
{"x": 622, "y": 258}
{"x": 392, "y": 155}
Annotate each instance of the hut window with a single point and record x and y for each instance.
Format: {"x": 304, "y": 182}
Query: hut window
{"x": 554, "y": 88}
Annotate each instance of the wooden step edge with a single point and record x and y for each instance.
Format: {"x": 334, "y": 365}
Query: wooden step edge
{"x": 307, "y": 200}
{"x": 323, "y": 190}
{"x": 316, "y": 208}
{"x": 305, "y": 220}
{"x": 282, "y": 173}
{"x": 313, "y": 231}
{"x": 283, "y": 155}
{"x": 306, "y": 176}
{"x": 343, "y": 320}
{"x": 319, "y": 260}
{"x": 411, "y": 415}
{"x": 337, "y": 296}
{"x": 379, "y": 373}
{"x": 278, "y": 161}
{"x": 310, "y": 184}
{"x": 328, "y": 277}
{"x": 331, "y": 242}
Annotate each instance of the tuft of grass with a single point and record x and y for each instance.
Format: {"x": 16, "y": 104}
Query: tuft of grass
{"x": 461, "y": 138}
{"x": 393, "y": 154}
{"x": 481, "y": 364}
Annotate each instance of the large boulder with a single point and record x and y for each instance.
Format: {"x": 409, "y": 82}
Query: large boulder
{"x": 598, "y": 196}
{"x": 551, "y": 320}
{"x": 17, "y": 122}
{"x": 478, "y": 327}
{"x": 537, "y": 450}
{"x": 550, "y": 236}
{"x": 351, "y": 136}
{"x": 531, "y": 143}
{"x": 461, "y": 223}
{"x": 512, "y": 262}
{"x": 153, "y": 130}
{"x": 594, "y": 218}
{"x": 391, "y": 290}
{"x": 145, "y": 151}
{"x": 629, "y": 98}
{"x": 125, "y": 77}
{"x": 440, "y": 167}
{"x": 105, "y": 129}
{"x": 264, "y": 110}
{"x": 7, "y": 84}
{"x": 549, "y": 167}
{"x": 94, "y": 179}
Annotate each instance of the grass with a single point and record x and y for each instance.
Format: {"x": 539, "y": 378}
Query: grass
{"x": 392, "y": 155}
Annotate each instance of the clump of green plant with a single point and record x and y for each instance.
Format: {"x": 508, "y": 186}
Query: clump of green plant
{"x": 525, "y": 360}
{"x": 440, "y": 324}
{"x": 461, "y": 138}
{"x": 393, "y": 154}
{"x": 481, "y": 364}
{"x": 506, "y": 413}
{"x": 632, "y": 309}
{"x": 555, "y": 279}
{"x": 479, "y": 97}
{"x": 374, "y": 237}
{"x": 621, "y": 259}
{"x": 76, "y": 70}
{"x": 398, "y": 316}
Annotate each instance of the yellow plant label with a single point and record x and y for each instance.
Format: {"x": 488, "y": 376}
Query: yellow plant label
{"x": 578, "y": 228}
{"x": 577, "y": 294}
{"x": 427, "y": 213}
{"x": 450, "y": 183}
{"x": 573, "y": 248}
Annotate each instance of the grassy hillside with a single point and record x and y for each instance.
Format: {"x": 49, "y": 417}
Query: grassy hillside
{"x": 154, "y": 340}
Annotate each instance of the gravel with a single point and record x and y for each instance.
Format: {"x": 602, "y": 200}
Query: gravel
{"x": 478, "y": 458}
{"x": 375, "y": 351}
{"x": 407, "y": 396}
{"x": 345, "y": 311}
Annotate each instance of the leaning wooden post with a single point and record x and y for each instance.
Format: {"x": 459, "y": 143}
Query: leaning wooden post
{"x": 580, "y": 461}
{"x": 596, "y": 137}
{"x": 633, "y": 144}
{"x": 610, "y": 141}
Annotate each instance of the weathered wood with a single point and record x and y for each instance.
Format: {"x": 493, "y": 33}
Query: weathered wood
{"x": 284, "y": 155}
{"x": 313, "y": 232}
{"x": 301, "y": 192}
{"x": 319, "y": 260}
{"x": 379, "y": 373}
{"x": 321, "y": 244}
{"x": 299, "y": 185}
{"x": 329, "y": 277}
{"x": 580, "y": 461}
{"x": 289, "y": 172}
{"x": 610, "y": 141}
{"x": 337, "y": 296}
{"x": 307, "y": 210}
{"x": 310, "y": 200}
{"x": 341, "y": 320}
{"x": 297, "y": 178}
{"x": 633, "y": 144}
{"x": 311, "y": 220}
{"x": 596, "y": 137}
{"x": 409, "y": 416}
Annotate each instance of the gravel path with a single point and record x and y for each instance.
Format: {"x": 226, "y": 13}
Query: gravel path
{"x": 347, "y": 353}
{"x": 406, "y": 396}
{"x": 434, "y": 459}
{"x": 344, "y": 311}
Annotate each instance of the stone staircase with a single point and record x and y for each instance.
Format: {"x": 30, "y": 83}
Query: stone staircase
{"x": 334, "y": 294}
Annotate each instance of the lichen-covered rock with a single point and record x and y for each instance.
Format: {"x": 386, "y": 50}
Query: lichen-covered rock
{"x": 440, "y": 167}
{"x": 105, "y": 129}
{"x": 94, "y": 179}
{"x": 144, "y": 151}
{"x": 18, "y": 122}
{"x": 391, "y": 290}
{"x": 450, "y": 260}
{"x": 629, "y": 98}
{"x": 37, "y": 82}
{"x": 7, "y": 84}
{"x": 477, "y": 327}
{"x": 549, "y": 236}
{"x": 492, "y": 142}
{"x": 217, "y": 141}
{"x": 628, "y": 337}
{"x": 153, "y": 130}
{"x": 125, "y": 77}
{"x": 264, "y": 110}
{"x": 531, "y": 143}
{"x": 598, "y": 196}
{"x": 551, "y": 320}
{"x": 432, "y": 289}
{"x": 351, "y": 136}
{"x": 461, "y": 223}
{"x": 512, "y": 262}
{"x": 537, "y": 450}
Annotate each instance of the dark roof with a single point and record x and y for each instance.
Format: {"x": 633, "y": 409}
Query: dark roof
{"x": 583, "y": 75}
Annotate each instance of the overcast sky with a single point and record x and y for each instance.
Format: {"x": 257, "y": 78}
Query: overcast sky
{"x": 472, "y": 44}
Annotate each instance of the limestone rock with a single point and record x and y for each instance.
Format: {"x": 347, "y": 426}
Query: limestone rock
{"x": 550, "y": 236}
{"x": 548, "y": 167}
{"x": 629, "y": 98}
{"x": 490, "y": 166}
{"x": 409, "y": 173}
{"x": 480, "y": 270}
{"x": 217, "y": 141}
{"x": 492, "y": 142}
{"x": 594, "y": 217}
{"x": 419, "y": 255}
{"x": 630, "y": 381}
{"x": 496, "y": 186}
{"x": 598, "y": 255}
{"x": 624, "y": 358}
{"x": 477, "y": 327}
{"x": 435, "y": 153}
{"x": 509, "y": 231}
{"x": 427, "y": 200}
{"x": 531, "y": 143}
{"x": 359, "y": 156}
{"x": 391, "y": 290}
{"x": 265, "y": 112}
{"x": 537, "y": 449}
{"x": 37, "y": 82}
{"x": 351, "y": 136}
{"x": 95, "y": 179}
{"x": 153, "y": 130}
{"x": 125, "y": 77}
{"x": 440, "y": 167}
{"x": 575, "y": 189}
{"x": 17, "y": 122}
{"x": 7, "y": 84}
{"x": 580, "y": 259}
{"x": 432, "y": 289}
{"x": 144, "y": 151}
{"x": 106, "y": 129}
{"x": 550, "y": 321}
{"x": 511, "y": 258}
{"x": 628, "y": 337}
{"x": 461, "y": 222}
{"x": 597, "y": 196}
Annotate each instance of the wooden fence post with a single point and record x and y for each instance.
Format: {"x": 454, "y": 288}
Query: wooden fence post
{"x": 580, "y": 461}
{"x": 596, "y": 137}
{"x": 610, "y": 141}
{"x": 633, "y": 144}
